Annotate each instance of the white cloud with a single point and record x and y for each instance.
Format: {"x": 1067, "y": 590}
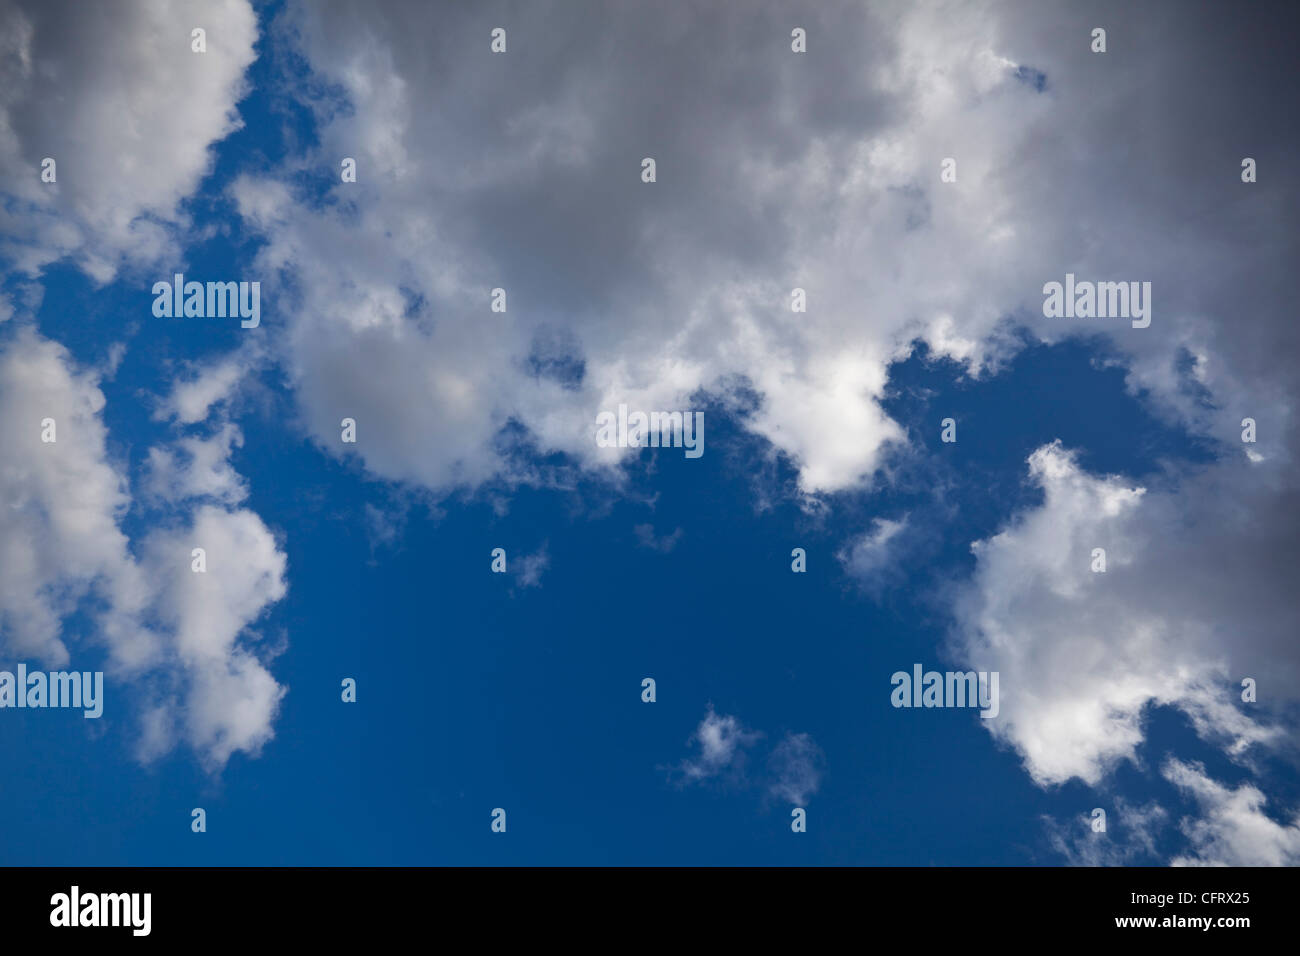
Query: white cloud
{"x": 721, "y": 741}
{"x": 116, "y": 97}
{"x": 228, "y": 698}
{"x": 192, "y": 399}
{"x": 645, "y": 536}
{"x": 1233, "y": 829}
{"x": 872, "y": 554}
{"x": 197, "y": 468}
{"x": 530, "y": 567}
{"x": 59, "y": 532}
{"x": 384, "y": 525}
{"x": 721, "y": 748}
{"x": 181, "y": 640}
{"x": 795, "y": 765}
{"x": 1082, "y": 654}
{"x": 658, "y": 299}
{"x": 1129, "y": 838}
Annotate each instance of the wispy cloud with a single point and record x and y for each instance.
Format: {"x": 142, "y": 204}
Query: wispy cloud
{"x": 795, "y": 768}
{"x": 528, "y": 569}
{"x": 720, "y": 743}
{"x": 721, "y": 750}
{"x": 645, "y": 535}
{"x": 1233, "y": 829}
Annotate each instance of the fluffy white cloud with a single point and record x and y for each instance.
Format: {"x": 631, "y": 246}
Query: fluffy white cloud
{"x": 116, "y": 97}
{"x": 227, "y": 699}
{"x": 197, "y": 468}
{"x": 59, "y": 536}
{"x": 194, "y": 397}
{"x": 180, "y": 639}
{"x": 1182, "y": 613}
{"x": 128, "y": 112}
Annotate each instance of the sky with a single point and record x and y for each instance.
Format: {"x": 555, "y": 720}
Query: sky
{"x": 841, "y": 260}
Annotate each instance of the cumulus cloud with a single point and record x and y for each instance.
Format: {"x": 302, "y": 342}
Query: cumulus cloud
{"x": 227, "y": 700}
{"x": 116, "y": 97}
{"x": 653, "y": 308}
{"x": 182, "y": 640}
{"x": 128, "y": 113}
{"x": 1082, "y": 654}
{"x": 59, "y": 532}
{"x": 657, "y": 291}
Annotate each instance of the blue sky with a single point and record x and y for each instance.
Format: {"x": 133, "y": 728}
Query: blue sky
{"x": 522, "y": 690}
